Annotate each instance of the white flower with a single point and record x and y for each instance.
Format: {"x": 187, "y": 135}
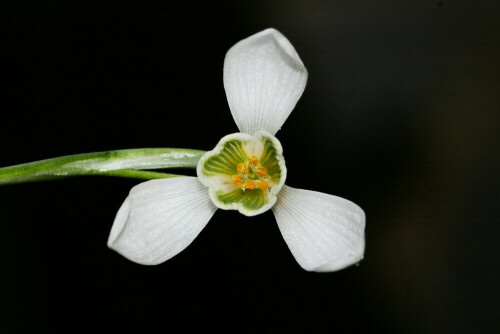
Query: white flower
{"x": 263, "y": 78}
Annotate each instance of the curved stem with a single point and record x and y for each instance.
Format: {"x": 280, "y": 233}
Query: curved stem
{"x": 121, "y": 163}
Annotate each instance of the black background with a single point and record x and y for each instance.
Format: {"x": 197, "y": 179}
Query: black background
{"x": 400, "y": 115}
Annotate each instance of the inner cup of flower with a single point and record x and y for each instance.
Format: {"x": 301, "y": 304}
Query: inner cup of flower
{"x": 244, "y": 172}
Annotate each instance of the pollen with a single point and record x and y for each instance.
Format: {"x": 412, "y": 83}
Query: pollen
{"x": 242, "y": 168}
{"x": 261, "y": 171}
{"x": 248, "y": 185}
{"x": 251, "y": 176}
{"x": 253, "y": 160}
{"x": 262, "y": 184}
{"x": 237, "y": 180}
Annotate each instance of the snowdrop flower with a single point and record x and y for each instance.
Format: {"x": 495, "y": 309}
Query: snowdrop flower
{"x": 263, "y": 79}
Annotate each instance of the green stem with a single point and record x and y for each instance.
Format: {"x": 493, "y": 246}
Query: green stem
{"x": 121, "y": 163}
{"x": 126, "y": 173}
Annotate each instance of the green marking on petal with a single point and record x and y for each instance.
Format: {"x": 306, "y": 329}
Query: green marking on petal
{"x": 251, "y": 200}
{"x": 270, "y": 161}
{"x": 226, "y": 161}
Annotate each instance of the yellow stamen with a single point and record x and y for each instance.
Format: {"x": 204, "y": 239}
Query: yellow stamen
{"x": 261, "y": 171}
{"x": 248, "y": 185}
{"x": 251, "y": 176}
{"x": 237, "y": 180}
{"x": 242, "y": 168}
{"x": 263, "y": 184}
{"x": 253, "y": 160}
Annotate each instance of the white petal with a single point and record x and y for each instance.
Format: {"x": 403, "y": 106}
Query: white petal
{"x": 160, "y": 218}
{"x": 323, "y": 232}
{"x": 263, "y": 78}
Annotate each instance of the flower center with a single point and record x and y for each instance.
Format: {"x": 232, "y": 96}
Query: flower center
{"x": 244, "y": 172}
{"x": 252, "y": 175}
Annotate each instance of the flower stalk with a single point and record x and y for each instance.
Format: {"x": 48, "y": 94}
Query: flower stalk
{"x": 130, "y": 163}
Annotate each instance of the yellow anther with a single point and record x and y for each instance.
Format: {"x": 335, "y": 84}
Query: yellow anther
{"x": 261, "y": 171}
{"x": 237, "y": 180}
{"x": 242, "y": 168}
{"x": 263, "y": 184}
{"x": 253, "y": 160}
{"x": 248, "y": 185}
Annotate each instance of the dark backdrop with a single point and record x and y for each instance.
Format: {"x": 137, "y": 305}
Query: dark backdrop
{"x": 400, "y": 115}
